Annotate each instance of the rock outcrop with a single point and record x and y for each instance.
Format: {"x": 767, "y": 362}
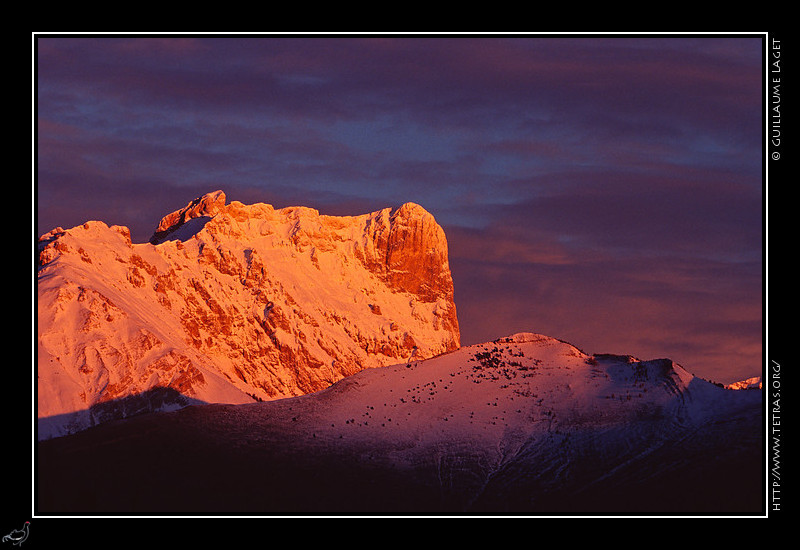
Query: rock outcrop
{"x": 206, "y": 206}
{"x": 234, "y": 303}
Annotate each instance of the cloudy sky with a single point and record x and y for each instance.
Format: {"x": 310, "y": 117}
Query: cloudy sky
{"x": 604, "y": 190}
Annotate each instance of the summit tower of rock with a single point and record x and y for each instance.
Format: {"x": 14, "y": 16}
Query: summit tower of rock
{"x": 206, "y": 206}
{"x": 233, "y": 303}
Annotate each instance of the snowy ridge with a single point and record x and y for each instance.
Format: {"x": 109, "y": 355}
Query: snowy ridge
{"x": 528, "y": 384}
{"x": 525, "y": 424}
{"x": 754, "y": 383}
{"x": 232, "y": 304}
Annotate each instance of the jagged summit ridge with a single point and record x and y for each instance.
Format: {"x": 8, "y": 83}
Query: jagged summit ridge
{"x": 207, "y": 205}
{"x": 405, "y": 246}
{"x": 754, "y": 382}
{"x": 233, "y": 303}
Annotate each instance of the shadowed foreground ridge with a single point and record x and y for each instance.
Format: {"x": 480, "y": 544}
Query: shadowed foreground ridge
{"x": 526, "y": 425}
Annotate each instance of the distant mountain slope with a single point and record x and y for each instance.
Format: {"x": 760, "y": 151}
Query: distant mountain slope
{"x": 524, "y": 425}
{"x": 232, "y": 303}
{"x": 750, "y": 383}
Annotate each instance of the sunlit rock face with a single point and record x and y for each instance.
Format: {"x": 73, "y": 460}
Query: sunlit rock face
{"x": 208, "y": 205}
{"x": 234, "y": 303}
{"x": 750, "y": 383}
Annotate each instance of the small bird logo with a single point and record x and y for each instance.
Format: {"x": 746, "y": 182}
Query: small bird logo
{"x": 18, "y": 536}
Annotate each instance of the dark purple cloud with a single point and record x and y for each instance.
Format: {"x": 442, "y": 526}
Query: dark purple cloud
{"x": 604, "y": 190}
{"x": 702, "y": 312}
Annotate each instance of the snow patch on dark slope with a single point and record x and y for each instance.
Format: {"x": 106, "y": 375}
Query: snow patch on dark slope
{"x": 524, "y": 425}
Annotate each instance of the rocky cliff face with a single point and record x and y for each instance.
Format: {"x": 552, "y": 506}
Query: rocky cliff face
{"x": 233, "y": 303}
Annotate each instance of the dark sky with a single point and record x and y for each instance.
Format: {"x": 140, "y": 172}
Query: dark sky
{"x": 604, "y": 190}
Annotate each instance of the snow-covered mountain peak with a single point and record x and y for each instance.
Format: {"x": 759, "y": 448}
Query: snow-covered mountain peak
{"x": 754, "y": 382}
{"x": 521, "y": 337}
{"x": 245, "y": 301}
{"x": 524, "y": 424}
